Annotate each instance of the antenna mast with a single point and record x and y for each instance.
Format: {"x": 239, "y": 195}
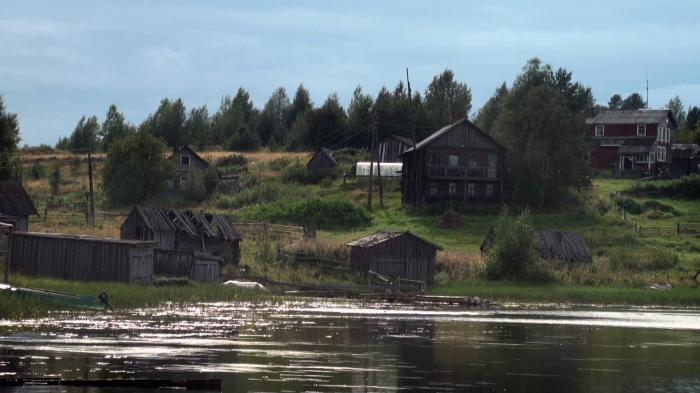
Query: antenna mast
{"x": 647, "y": 103}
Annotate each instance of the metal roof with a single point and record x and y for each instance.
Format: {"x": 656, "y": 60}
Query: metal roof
{"x": 381, "y": 237}
{"x": 443, "y": 130}
{"x": 634, "y": 149}
{"x": 194, "y": 154}
{"x": 14, "y": 200}
{"x": 562, "y": 246}
{"x": 156, "y": 219}
{"x": 632, "y": 116}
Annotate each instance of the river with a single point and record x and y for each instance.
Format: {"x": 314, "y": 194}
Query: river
{"x": 329, "y": 346}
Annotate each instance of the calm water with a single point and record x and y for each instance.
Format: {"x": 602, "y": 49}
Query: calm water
{"x": 347, "y": 346}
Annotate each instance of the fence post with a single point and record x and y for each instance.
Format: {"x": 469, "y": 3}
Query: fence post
{"x": 678, "y": 229}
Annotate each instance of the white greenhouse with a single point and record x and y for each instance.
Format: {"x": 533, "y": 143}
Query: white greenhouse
{"x": 389, "y": 169}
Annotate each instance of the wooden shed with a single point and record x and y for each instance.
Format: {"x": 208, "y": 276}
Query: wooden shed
{"x": 81, "y": 257}
{"x": 184, "y": 230}
{"x": 15, "y": 204}
{"x": 322, "y": 160}
{"x": 188, "y": 164}
{"x": 394, "y": 254}
{"x": 196, "y": 266}
{"x": 392, "y": 146}
{"x": 552, "y": 245}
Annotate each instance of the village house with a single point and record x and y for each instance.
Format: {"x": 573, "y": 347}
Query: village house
{"x": 15, "y": 205}
{"x": 322, "y": 160}
{"x": 394, "y": 254}
{"x": 686, "y": 160}
{"x": 390, "y": 148}
{"x": 622, "y": 140}
{"x": 459, "y": 162}
{"x": 183, "y": 230}
{"x": 188, "y": 165}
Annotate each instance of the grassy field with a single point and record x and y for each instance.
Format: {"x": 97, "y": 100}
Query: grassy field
{"x": 591, "y": 213}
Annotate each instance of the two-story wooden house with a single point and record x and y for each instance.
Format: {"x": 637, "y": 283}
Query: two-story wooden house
{"x": 459, "y": 162}
{"x": 631, "y": 140}
{"x": 188, "y": 164}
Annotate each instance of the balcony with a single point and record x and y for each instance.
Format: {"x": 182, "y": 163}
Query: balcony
{"x": 464, "y": 173}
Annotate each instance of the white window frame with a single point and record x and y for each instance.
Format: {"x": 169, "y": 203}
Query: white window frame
{"x": 641, "y": 127}
{"x": 471, "y": 189}
{"x": 434, "y": 189}
{"x": 601, "y": 128}
{"x": 661, "y": 153}
{"x": 452, "y": 188}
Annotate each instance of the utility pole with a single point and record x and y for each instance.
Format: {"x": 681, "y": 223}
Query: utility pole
{"x": 379, "y": 159}
{"x": 91, "y": 206}
{"x": 371, "y": 170}
{"x": 414, "y": 172}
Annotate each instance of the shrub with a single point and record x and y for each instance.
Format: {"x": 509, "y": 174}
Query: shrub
{"x": 629, "y": 205}
{"x": 660, "y": 206}
{"x": 644, "y": 259}
{"x": 298, "y": 173}
{"x": 259, "y": 193}
{"x": 687, "y": 187}
{"x": 36, "y": 171}
{"x": 232, "y": 160}
{"x": 513, "y": 254}
{"x": 314, "y": 212}
{"x": 450, "y": 219}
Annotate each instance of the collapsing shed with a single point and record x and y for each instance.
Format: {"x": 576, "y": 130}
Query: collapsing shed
{"x": 81, "y": 257}
{"x": 394, "y": 254}
{"x": 552, "y": 245}
{"x": 184, "y": 230}
{"x": 322, "y": 160}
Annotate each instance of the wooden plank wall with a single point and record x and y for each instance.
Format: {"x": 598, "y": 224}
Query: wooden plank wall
{"x": 172, "y": 263}
{"x": 283, "y": 233}
{"x": 77, "y": 259}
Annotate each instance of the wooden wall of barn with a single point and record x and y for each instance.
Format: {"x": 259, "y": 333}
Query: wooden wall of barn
{"x": 196, "y": 266}
{"x": 73, "y": 258}
{"x": 401, "y": 257}
{"x": 228, "y": 250}
{"x": 134, "y": 228}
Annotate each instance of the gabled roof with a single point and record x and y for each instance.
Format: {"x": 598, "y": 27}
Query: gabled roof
{"x": 554, "y": 245}
{"x": 425, "y": 142}
{"x": 325, "y": 152}
{"x": 178, "y": 149}
{"x": 14, "y": 200}
{"x": 194, "y": 224}
{"x": 402, "y": 139}
{"x": 381, "y": 237}
{"x": 632, "y": 116}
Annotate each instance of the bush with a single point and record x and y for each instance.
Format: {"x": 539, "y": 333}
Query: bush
{"x": 687, "y": 187}
{"x": 513, "y": 254}
{"x": 315, "y": 213}
{"x": 660, "y": 206}
{"x": 231, "y": 160}
{"x": 258, "y": 194}
{"x": 645, "y": 259}
{"x": 629, "y": 205}
{"x": 298, "y": 173}
{"x": 450, "y": 220}
{"x": 36, "y": 171}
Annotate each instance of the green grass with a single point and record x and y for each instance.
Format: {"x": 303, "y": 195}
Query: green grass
{"x": 506, "y": 292}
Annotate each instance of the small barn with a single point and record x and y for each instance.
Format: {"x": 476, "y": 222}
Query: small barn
{"x": 391, "y": 148}
{"x": 15, "y": 204}
{"x": 184, "y": 230}
{"x": 686, "y": 160}
{"x": 188, "y": 164}
{"x": 394, "y": 254}
{"x": 322, "y": 160}
{"x": 81, "y": 257}
{"x": 552, "y": 245}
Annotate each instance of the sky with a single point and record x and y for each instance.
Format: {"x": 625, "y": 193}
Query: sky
{"x": 60, "y": 60}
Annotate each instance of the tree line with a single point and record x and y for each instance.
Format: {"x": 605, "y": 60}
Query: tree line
{"x": 285, "y": 123}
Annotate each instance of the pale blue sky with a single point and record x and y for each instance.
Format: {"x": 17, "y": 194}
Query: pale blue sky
{"x": 60, "y": 60}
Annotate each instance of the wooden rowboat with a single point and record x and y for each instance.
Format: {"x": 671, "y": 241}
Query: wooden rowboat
{"x": 43, "y": 296}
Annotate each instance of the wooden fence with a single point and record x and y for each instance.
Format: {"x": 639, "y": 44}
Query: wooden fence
{"x": 685, "y": 229}
{"x": 282, "y": 233}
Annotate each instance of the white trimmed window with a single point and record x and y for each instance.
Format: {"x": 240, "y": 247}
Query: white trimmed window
{"x": 489, "y": 190}
{"x": 471, "y": 189}
{"x": 661, "y": 153}
{"x": 641, "y": 129}
{"x": 599, "y": 130}
{"x": 452, "y": 188}
{"x": 453, "y": 160}
{"x": 433, "y": 188}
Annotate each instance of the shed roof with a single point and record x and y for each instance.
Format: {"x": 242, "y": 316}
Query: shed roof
{"x": 139, "y": 243}
{"x": 632, "y": 116}
{"x": 381, "y": 237}
{"x": 425, "y": 142}
{"x": 325, "y": 152}
{"x": 14, "y": 199}
{"x": 193, "y": 223}
{"x": 556, "y": 245}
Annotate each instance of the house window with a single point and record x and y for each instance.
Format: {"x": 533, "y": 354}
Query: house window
{"x": 471, "y": 189}
{"x": 641, "y": 129}
{"x": 489, "y": 190}
{"x": 185, "y": 160}
{"x": 664, "y": 134}
{"x": 433, "y": 188}
{"x": 661, "y": 153}
{"x": 599, "y": 130}
{"x": 453, "y": 160}
{"x": 452, "y": 188}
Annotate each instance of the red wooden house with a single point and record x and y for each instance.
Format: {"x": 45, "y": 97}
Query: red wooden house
{"x": 631, "y": 140}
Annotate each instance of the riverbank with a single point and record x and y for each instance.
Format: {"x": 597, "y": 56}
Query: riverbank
{"x": 504, "y": 292}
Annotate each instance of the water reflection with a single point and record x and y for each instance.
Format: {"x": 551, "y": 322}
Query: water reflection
{"x": 346, "y": 346}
